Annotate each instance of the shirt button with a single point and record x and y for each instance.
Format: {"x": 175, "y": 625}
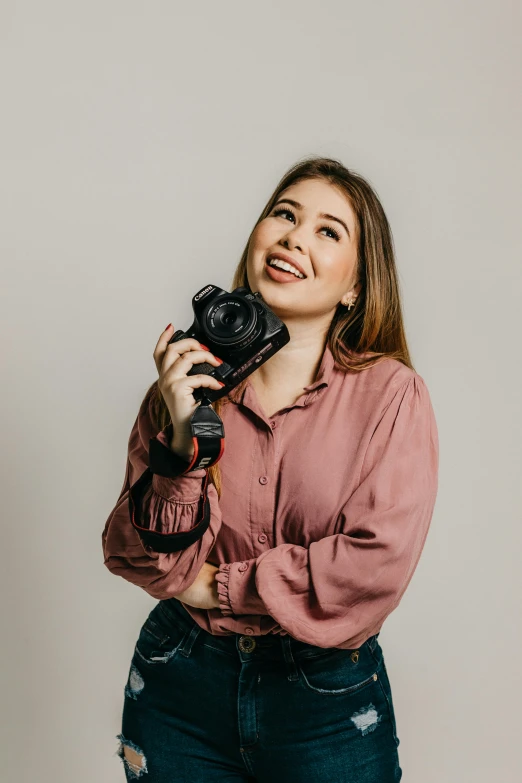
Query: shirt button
{"x": 249, "y": 630}
{"x": 263, "y": 480}
{"x": 242, "y": 567}
{"x": 261, "y": 538}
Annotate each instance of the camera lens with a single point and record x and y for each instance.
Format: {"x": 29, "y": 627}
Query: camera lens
{"x": 230, "y": 319}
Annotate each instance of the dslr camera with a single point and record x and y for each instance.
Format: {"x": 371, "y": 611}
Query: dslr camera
{"x": 239, "y": 328}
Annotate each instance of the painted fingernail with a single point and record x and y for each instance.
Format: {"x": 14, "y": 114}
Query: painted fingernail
{"x": 218, "y": 360}
{"x": 167, "y": 327}
{"x": 204, "y": 347}
{"x": 221, "y": 383}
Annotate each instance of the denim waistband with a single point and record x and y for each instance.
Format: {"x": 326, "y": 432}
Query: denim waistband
{"x": 269, "y": 642}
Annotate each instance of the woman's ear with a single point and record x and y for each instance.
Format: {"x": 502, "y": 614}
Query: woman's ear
{"x": 352, "y": 294}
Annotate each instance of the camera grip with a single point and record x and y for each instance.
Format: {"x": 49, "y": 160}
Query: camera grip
{"x": 204, "y": 368}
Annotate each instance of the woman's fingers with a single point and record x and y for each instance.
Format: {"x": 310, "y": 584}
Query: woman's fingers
{"x": 172, "y": 351}
{"x": 177, "y": 364}
{"x": 166, "y": 355}
{"x": 161, "y": 345}
{"x": 195, "y": 381}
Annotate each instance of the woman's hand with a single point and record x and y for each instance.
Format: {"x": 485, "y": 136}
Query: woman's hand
{"x": 202, "y": 593}
{"x": 173, "y": 363}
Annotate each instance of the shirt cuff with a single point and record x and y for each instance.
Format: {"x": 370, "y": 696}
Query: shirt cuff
{"x": 181, "y": 489}
{"x": 237, "y": 591}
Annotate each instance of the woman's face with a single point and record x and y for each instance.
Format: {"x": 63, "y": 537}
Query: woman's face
{"x": 324, "y": 248}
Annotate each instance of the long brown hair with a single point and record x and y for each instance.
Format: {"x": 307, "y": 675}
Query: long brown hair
{"x": 373, "y": 329}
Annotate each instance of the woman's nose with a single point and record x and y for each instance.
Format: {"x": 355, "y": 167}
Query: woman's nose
{"x": 287, "y": 242}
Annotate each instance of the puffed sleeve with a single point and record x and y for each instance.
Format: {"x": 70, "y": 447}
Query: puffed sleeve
{"x": 338, "y": 590}
{"x": 167, "y": 507}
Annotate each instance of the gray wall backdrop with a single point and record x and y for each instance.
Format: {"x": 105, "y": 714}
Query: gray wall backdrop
{"x": 139, "y": 142}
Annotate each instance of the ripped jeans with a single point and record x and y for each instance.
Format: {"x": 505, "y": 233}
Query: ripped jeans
{"x": 265, "y": 709}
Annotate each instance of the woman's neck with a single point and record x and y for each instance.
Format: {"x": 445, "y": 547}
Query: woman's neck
{"x": 294, "y": 366}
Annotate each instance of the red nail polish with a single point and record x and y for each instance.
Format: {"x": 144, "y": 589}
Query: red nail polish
{"x": 204, "y": 347}
{"x": 221, "y": 383}
{"x": 167, "y": 327}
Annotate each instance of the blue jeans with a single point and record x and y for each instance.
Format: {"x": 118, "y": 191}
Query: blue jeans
{"x": 265, "y": 709}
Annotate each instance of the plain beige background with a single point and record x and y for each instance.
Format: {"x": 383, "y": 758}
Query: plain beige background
{"x": 139, "y": 143}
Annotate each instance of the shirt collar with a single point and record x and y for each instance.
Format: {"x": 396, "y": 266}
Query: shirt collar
{"x": 324, "y": 373}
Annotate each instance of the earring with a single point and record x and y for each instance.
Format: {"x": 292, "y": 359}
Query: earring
{"x": 350, "y": 303}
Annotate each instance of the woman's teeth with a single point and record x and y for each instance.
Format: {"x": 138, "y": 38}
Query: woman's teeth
{"x": 287, "y": 267}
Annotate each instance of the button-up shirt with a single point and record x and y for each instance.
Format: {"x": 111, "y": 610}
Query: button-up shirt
{"x": 324, "y": 511}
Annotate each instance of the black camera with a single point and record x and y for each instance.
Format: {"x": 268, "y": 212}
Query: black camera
{"x": 237, "y": 327}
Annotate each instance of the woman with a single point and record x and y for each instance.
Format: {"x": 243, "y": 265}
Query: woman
{"x": 261, "y": 661}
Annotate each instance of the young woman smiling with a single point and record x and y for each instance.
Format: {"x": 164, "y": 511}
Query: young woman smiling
{"x": 261, "y": 660}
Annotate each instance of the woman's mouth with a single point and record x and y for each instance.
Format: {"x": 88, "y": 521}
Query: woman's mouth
{"x": 281, "y": 275}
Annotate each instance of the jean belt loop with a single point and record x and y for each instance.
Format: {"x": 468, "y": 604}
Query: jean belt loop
{"x": 186, "y": 647}
{"x": 286, "y": 642}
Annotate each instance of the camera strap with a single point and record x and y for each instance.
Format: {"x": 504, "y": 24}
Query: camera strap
{"x": 208, "y": 436}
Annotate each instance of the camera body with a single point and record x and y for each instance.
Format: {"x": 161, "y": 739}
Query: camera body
{"x": 239, "y": 328}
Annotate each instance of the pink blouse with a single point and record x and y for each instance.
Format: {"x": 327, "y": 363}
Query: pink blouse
{"x": 324, "y": 510}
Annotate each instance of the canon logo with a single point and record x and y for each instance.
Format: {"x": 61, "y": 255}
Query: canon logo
{"x": 202, "y": 293}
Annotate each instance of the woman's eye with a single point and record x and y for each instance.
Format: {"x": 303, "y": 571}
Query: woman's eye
{"x": 334, "y": 233}
{"x": 281, "y": 211}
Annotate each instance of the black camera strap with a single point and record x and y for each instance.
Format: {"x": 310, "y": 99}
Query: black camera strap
{"x": 208, "y": 436}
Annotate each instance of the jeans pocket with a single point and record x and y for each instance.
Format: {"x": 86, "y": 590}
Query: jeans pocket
{"x": 338, "y": 671}
{"x": 159, "y": 639}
